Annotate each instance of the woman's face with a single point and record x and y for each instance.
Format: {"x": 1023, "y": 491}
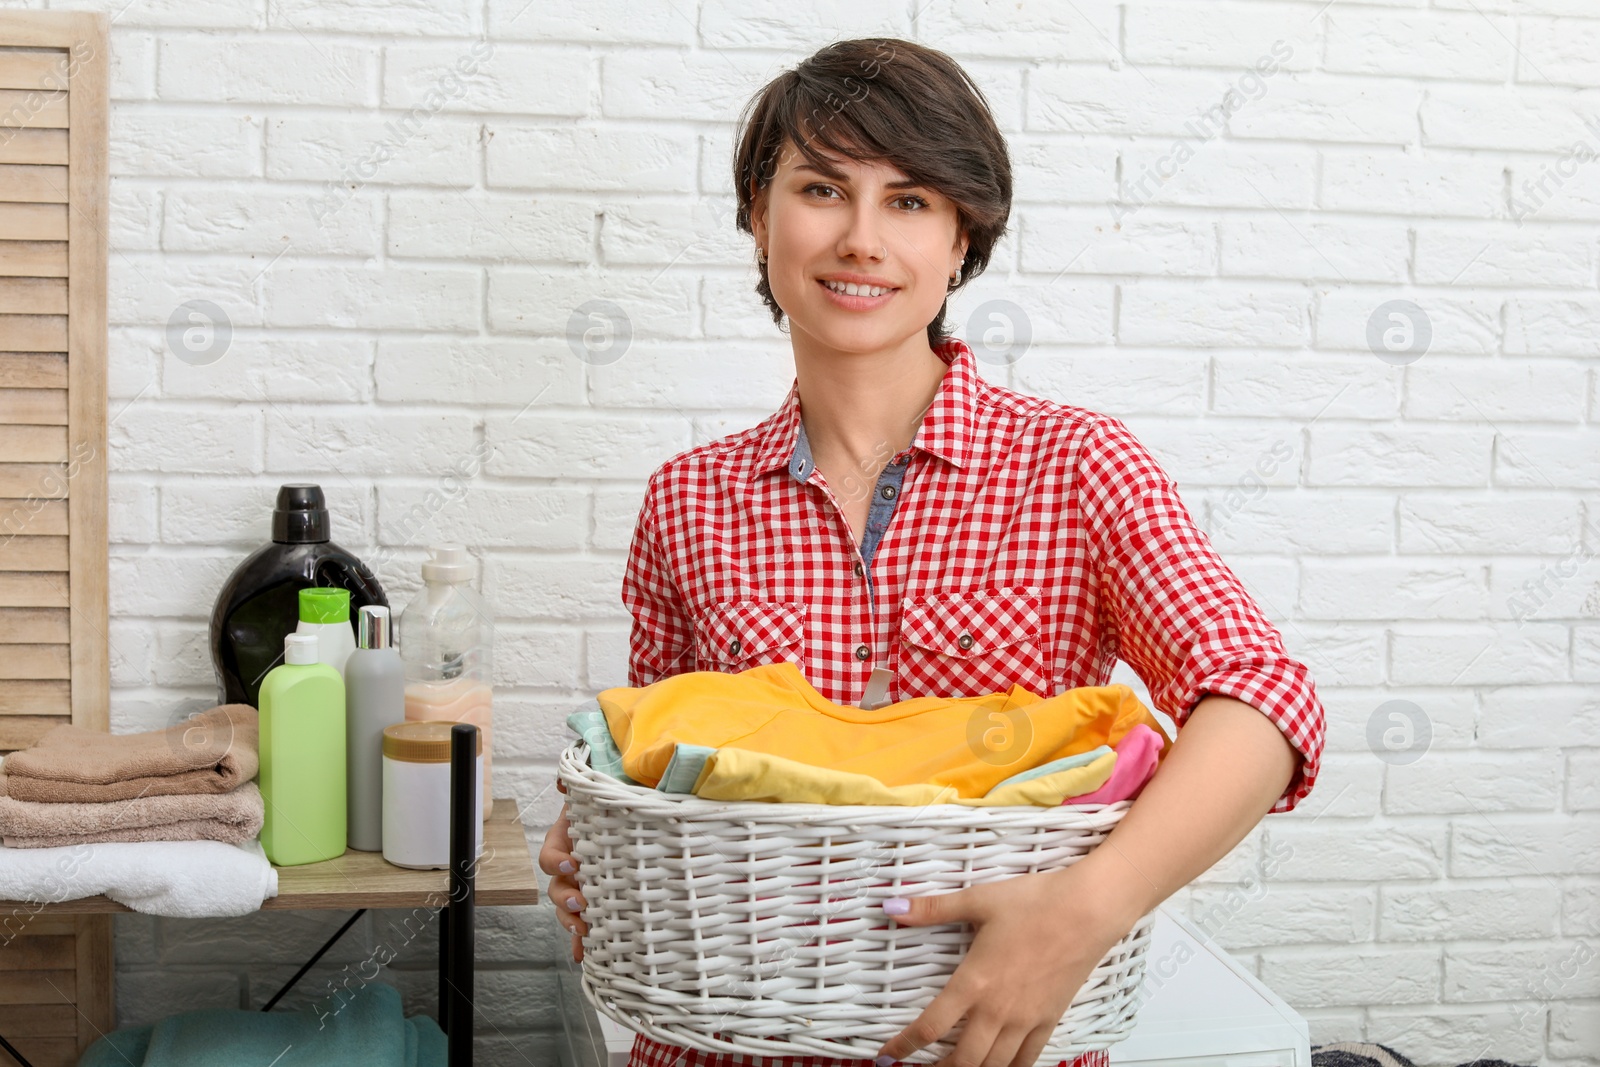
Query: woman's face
{"x": 865, "y": 224}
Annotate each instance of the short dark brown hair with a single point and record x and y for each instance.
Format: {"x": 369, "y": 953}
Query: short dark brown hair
{"x": 882, "y": 99}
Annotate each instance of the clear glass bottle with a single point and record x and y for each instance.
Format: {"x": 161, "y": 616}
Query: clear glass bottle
{"x": 447, "y": 647}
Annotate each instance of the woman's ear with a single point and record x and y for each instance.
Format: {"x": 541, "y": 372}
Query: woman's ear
{"x": 758, "y": 216}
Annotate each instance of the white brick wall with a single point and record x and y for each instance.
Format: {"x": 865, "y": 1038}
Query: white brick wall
{"x": 398, "y": 252}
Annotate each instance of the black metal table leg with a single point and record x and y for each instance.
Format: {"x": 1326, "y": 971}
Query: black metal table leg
{"x": 326, "y": 945}
{"x": 457, "y": 936}
{"x": 13, "y": 1053}
{"x": 444, "y": 969}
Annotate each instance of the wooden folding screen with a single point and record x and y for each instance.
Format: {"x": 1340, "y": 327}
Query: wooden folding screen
{"x": 55, "y": 971}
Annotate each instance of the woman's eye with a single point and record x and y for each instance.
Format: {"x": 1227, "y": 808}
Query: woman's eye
{"x": 921, "y": 203}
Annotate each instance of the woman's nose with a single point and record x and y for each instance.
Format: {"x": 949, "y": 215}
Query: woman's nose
{"x": 864, "y": 239}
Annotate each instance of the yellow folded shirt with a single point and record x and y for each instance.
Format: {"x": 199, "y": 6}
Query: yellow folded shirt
{"x": 734, "y": 774}
{"x": 966, "y": 744}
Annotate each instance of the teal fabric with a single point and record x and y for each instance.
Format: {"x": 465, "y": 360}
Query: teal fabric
{"x": 364, "y": 1026}
{"x": 589, "y": 723}
{"x": 1063, "y": 764}
{"x": 118, "y": 1048}
{"x": 683, "y": 769}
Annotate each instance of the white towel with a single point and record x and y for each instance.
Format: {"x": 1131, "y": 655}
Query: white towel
{"x": 184, "y": 879}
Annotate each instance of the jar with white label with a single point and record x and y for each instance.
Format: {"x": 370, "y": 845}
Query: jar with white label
{"x": 416, "y": 795}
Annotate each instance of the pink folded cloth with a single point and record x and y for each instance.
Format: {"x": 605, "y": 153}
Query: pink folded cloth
{"x": 211, "y": 752}
{"x": 1137, "y": 755}
{"x": 233, "y": 817}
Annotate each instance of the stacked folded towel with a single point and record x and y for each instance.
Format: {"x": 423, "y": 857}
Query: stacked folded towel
{"x": 190, "y": 782}
{"x": 184, "y": 879}
{"x": 367, "y": 1026}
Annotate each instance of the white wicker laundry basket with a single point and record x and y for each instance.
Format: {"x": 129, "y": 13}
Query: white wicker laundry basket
{"x": 755, "y": 927}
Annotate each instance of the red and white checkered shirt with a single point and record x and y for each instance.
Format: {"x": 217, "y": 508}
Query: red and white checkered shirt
{"x": 1017, "y": 541}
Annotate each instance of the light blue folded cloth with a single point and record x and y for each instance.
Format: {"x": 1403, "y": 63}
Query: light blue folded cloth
{"x": 1062, "y": 764}
{"x": 364, "y": 1026}
{"x": 589, "y": 723}
{"x": 683, "y": 770}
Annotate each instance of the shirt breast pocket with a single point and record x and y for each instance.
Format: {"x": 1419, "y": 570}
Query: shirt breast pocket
{"x": 735, "y": 635}
{"x": 971, "y": 644}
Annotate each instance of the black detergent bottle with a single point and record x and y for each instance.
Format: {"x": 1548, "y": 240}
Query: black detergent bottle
{"x": 260, "y": 602}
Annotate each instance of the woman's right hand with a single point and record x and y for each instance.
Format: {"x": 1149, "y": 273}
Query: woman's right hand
{"x": 556, "y": 860}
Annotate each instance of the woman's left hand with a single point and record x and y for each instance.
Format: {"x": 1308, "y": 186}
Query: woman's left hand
{"x": 1037, "y": 938}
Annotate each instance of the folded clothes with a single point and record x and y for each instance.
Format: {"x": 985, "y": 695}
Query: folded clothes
{"x": 212, "y": 752}
{"x": 365, "y": 1026}
{"x": 233, "y": 817}
{"x": 1138, "y": 754}
{"x": 741, "y": 775}
{"x": 969, "y": 745}
{"x": 1065, "y": 762}
{"x": 183, "y": 879}
{"x": 589, "y": 723}
{"x": 734, "y": 774}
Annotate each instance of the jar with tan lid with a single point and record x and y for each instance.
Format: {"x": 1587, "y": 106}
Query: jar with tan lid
{"x": 416, "y": 794}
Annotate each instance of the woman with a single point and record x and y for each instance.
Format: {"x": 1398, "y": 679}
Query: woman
{"x": 1006, "y": 539}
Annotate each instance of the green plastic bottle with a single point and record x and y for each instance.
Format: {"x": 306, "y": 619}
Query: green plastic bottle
{"x": 302, "y": 757}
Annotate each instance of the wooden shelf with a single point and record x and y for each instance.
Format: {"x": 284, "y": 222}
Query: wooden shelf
{"x": 366, "y": 880}
{"x": 505, "y": 875}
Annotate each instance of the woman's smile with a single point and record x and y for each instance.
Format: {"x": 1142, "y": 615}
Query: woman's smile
{"x": 861, "y": 299}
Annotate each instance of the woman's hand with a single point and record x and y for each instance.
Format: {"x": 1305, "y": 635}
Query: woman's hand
{"x": 1037, "y": 938}
{"x": 556, "y": 859}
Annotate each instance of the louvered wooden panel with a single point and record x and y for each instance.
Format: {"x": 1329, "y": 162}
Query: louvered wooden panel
{"x": 53, "y": 607}
{"x": 55, "y": 973}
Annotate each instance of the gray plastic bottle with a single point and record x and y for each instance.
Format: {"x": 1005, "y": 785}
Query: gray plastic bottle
{"x": 375, "y": 697}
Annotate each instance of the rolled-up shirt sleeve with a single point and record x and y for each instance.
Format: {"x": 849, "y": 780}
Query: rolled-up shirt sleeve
{"x": 1176, "y": 613}
{"x": 662, "y": 635}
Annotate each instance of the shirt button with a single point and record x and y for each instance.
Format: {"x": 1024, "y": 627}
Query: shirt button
{"x": 860, "y": 570}
{"x": 863, "y": 652}
{"x": 965, "y": 641}
{"x": 733, "y": 649}
{"x": 887, "y": 492}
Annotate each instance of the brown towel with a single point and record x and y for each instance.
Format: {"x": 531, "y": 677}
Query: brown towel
{"x": 232, "y": 817}
{"x": 212, "y": 752}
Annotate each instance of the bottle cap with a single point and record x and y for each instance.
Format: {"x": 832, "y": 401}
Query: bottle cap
{"x": 301, "y": 515}
{"x": 324, "y": 604}
{"x": 421, "y": 742}
{"x": 450, "y": 563}
{"x": 300, "y": 649}
{"x": 372, "y": 626}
